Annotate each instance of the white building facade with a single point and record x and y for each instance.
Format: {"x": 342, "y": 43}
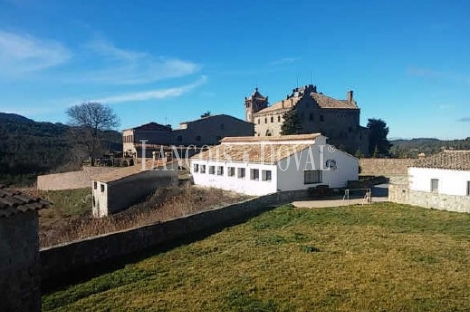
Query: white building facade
{"x": 441, "y": 181}
{"x": 265, "y": 165}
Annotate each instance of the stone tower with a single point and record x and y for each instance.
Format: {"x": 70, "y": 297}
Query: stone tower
{"x": 253, "y": 104}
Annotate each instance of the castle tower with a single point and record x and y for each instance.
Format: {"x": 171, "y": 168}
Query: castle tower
{"x": 253, "y": 104}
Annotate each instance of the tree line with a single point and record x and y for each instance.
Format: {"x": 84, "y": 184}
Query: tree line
{"x": 29, "y": 148}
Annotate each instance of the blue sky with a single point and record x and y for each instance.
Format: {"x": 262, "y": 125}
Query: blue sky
{"x": 408, "y": 62}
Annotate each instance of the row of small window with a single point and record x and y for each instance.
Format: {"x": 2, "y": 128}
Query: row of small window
{"x": 310, "y": 176}
{"x": 310, "y": 118}
{"x": 435, "y": 186}
{"x": 266, "y": 175}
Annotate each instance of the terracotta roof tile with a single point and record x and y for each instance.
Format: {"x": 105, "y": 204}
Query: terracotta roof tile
{"x": 283, "y": 138}
{"x": 14, "y": 201}
{"x": 449, "y": 159}
{"x": 322, "y": 100}
{"x": 253, "y": 153}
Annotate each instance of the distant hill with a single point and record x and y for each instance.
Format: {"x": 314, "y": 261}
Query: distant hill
{"x": 29, "y": 148}
{"x": 411, "y": 148}
{"x": 13, "y": 118}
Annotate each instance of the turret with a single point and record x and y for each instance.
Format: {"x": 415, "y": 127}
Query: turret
{"x": 253, "y": 104}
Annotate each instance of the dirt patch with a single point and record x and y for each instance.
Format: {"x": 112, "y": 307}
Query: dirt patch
{"x": 165, "y": 204}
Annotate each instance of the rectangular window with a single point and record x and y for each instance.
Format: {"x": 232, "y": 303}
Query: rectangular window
{"x": 267, "y": 175}
{"x": 434, "y": 185}
{"x": 322, "y": 118}
{"x": 310, "y": 117}
{"x": 196, "y": 167}
{"x": 241, "y": 173}
{"x": 179, "y": 138}
{"x": 211, "y": 169}
{"x": 220, "y": 170}
{"x": 203, "y": 168}
{"x": 254, "y": 174}
{"x": 468, "y": 188}
{"x": 198, "y": 138}
{"x": 231, "y": 171}
{"x": 312, "y": 176}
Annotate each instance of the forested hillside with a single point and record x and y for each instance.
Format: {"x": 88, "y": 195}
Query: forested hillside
{"x": 29, "y": 148}
{"x": 411, "y": 148}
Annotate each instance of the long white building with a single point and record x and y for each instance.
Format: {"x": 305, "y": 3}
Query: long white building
{"x": 265, "y": 165}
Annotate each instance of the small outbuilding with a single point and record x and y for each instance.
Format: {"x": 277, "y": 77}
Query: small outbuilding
{"x": 119, "y": 189}
{"x": 441, "y": 181}
{"x": 265, "y": 165}
{"x": 19, "y": 251}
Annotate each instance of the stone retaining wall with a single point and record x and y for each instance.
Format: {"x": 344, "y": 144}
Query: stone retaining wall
{"x": 59, "y": 260}
{"x": 19, "y": 262}
{"x": 400, "y": 193}
{"x": 384, "y": 166}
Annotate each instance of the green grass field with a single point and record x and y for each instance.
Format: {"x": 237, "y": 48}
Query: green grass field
{"x": 382, "y": 257}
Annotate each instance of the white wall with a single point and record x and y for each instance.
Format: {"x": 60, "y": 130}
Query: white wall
{"x": 241, "y": 185}
{"x": 451, "y": 182}
{"x": 292, "y": 178}
{"x": 287, "y": 175}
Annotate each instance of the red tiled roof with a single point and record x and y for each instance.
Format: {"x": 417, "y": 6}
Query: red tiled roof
{"x": 282, "y": 138}
{"x": 14, "y": 201}
{"x": 322, "y": 100}
{"x": 448, "y": 159}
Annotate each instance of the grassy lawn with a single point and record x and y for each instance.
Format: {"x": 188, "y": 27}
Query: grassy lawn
{"x": 382, "y": 257}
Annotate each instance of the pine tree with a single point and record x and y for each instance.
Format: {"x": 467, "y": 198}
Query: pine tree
{"x": 358, "y": 153}
{"x": 292, "y": 124}
{"x": 378, "y": 142}
{"x": 376, "y": 152}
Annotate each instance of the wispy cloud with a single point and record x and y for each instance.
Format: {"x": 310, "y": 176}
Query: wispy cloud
{"x": 156, "y": 94}
{"x": 23, "y": 54}
{"x": 445, "y": 106}
{"x": 430, "y": 73}
{"x": 120, "y": 66}
{"x": 464, "y": 119}
{"x": 282, "y": 61}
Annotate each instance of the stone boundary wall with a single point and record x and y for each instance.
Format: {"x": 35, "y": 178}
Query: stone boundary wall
{"x": 59, "y": 260}
{"x": 19, "y": 262}
{"x": 70, "y": 180}
{"x": 400, "y": 193}
{"x": 384, "y": 166}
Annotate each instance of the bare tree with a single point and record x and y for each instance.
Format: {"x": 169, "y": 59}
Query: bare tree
{"x": 88, "y": 121}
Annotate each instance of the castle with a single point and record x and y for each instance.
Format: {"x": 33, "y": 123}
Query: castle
{"x": 339, "y": 120}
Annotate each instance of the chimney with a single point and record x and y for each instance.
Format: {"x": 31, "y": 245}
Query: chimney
{"x": 350, "y": 96}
